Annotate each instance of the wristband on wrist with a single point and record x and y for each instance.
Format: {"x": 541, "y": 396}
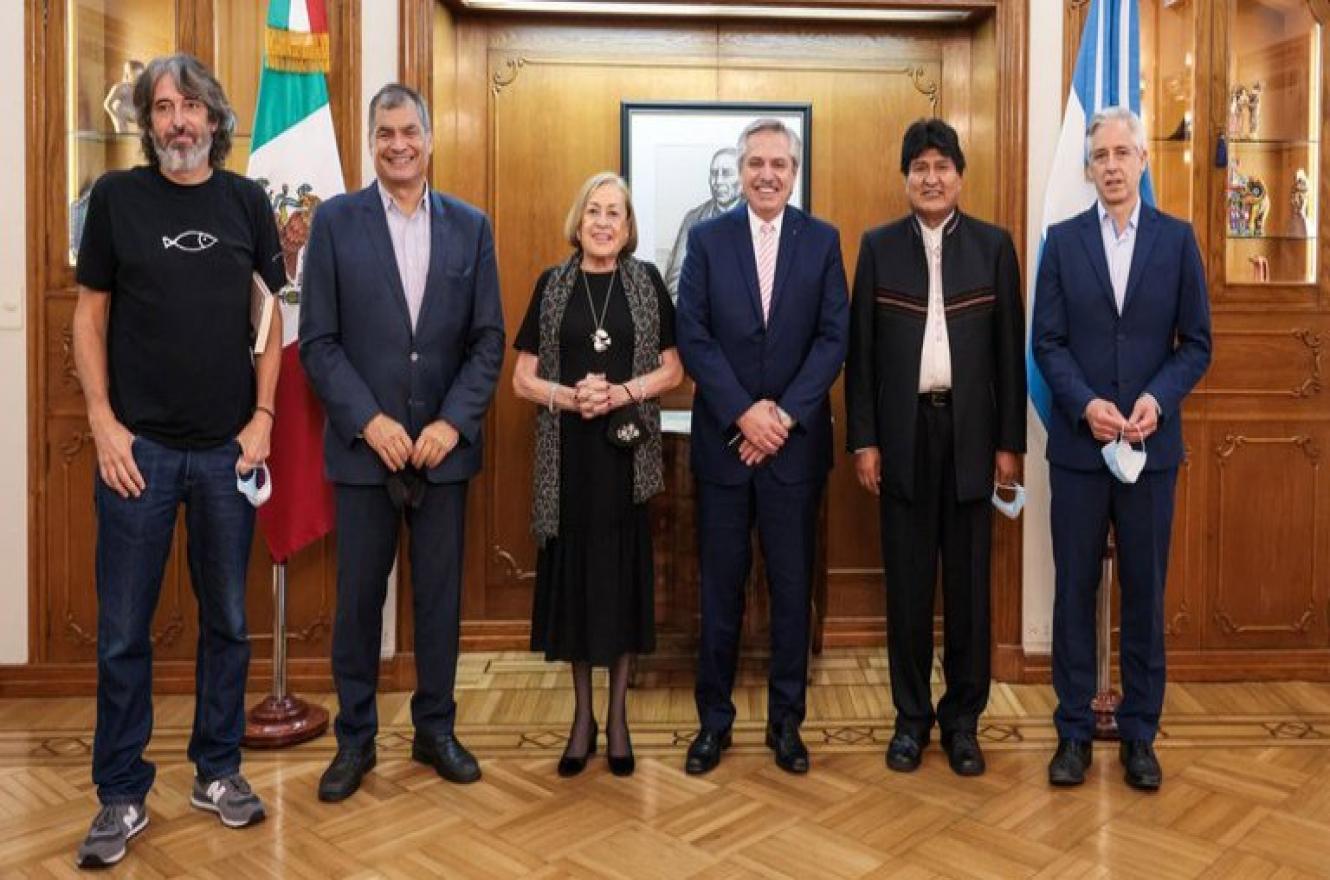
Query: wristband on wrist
{"x": 265, "y": 409}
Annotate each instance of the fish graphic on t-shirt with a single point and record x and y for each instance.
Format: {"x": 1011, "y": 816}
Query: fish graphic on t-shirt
{"x": 192, "y": 241}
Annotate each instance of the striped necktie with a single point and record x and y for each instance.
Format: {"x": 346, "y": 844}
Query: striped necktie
{"x": 766, "y": 266}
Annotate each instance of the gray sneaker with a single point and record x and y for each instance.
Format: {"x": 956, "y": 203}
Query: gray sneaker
{"x": 109, "y": 835}
{"x": 230, "y": 798}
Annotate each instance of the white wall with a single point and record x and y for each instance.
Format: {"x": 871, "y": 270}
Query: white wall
{"x": 1045, "y": 120}
{"x": 13, "y": 347}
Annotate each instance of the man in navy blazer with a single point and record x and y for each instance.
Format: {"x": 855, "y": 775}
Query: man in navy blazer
{"x": 763, "y": 321}
{"x": 1121, "y": 326}
{"x": 401, "y": 333}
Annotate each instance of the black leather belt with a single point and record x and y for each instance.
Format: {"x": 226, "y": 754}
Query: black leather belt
{"x": 939, "y": 398}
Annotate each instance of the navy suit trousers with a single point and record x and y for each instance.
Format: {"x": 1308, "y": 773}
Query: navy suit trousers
{"x": 1083, "y": 505}
{"x": 786, "y": 517}
{"x": 367, "y": 528}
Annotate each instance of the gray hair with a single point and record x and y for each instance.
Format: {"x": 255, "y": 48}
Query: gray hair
{"x": 1115, "y": 114}
{"x": 768, "y": 123}
{"x": 724, "y": 151}
{"x": 395, "y": 95}
{"x": 195, "y": 81}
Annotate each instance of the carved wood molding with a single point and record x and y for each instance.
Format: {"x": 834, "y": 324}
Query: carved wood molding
{"x": 1178, "y": 624}
{"x": 1308, "y": 387}
{"x": 512, "y": 571}
{"x": 68, "y": 371}
{"x": 1298, "y": 627}
{"x": 506, "y": 75}
{"x": 1233, "y": 442}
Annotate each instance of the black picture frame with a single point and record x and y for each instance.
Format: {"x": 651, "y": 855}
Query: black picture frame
{"x": 666, "y": 154}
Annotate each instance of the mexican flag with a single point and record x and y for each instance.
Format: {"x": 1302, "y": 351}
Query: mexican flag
{"x": 294, "y": 155}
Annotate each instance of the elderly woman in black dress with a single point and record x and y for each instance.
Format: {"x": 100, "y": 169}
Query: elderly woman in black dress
{"x": 596, "y": 350}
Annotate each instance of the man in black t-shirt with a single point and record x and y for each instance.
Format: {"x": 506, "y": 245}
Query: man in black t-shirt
{"x": 178, "y": 407}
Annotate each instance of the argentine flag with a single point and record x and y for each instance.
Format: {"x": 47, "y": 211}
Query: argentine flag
{"x": 1108, "y": 74}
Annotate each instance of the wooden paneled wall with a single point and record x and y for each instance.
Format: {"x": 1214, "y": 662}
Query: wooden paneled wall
{"x": 526, "y": 109}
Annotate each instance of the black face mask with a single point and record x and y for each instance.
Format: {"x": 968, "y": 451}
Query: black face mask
{"x": 406, "y": 488}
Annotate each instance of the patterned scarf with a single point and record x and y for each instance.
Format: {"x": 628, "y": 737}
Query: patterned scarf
{"x": 642, "y": 304}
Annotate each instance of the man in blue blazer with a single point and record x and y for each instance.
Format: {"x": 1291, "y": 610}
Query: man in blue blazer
{"x": 763, "y": 321}
{"x": 401, "y": 333}
{"x": 1121, "y": 326}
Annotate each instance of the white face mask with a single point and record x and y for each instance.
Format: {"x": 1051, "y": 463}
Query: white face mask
{"x": 256, "y": 485}
{"x": 1124, "y": 461}
{"x": 1010, "y": 509}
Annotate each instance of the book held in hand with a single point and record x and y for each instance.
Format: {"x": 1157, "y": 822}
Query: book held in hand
{"x": 261, "y": 306}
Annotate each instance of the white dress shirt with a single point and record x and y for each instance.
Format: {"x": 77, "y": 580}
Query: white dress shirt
{"x": 411, "y": 246}
{"x": 1118, "y": 248}
{"x": 755, "y": 230}
{"x": 935, "y": 358}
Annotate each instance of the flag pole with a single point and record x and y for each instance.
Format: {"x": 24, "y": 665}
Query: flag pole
{"x": 282, "y": 719}
{"x": 1106, "y": 699}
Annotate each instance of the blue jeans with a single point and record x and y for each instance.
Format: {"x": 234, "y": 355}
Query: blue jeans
{"x": 133, "y": 542}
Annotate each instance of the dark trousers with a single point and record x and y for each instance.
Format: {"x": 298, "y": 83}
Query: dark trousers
{"x": 133, "y": 540}
{"x": 913, "y": 534}
{"x": 367, "y": 528}
{"x": 1083, "y": 504}
{"x": 786, "y": 516}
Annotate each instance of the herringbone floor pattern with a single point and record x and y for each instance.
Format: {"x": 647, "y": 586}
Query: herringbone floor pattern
{"x": 1247, "y": 793}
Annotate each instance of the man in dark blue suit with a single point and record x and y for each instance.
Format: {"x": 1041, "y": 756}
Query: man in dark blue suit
{"x": 1121, "y": 325}
{"x": 401, "y": 333}
{"x": 763, "y": 322}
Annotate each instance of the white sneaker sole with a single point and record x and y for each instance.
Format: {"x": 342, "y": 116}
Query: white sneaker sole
{"x": 255, "y": 819}
{"x": 95, "y": 862}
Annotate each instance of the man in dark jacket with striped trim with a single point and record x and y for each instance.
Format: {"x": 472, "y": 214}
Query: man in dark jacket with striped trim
{"x": 935, "y": 394}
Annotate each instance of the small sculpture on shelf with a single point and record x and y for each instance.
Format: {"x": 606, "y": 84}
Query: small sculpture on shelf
{"x": 1260, "y": 267}
{"x": 1244, "y": 111}
{"x": 1248, "y": 204}
{"x": 1300, "y": 224}
{"x": 119, "y": 103}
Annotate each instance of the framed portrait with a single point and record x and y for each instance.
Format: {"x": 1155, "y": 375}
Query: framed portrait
{"x": 680, "y": 159}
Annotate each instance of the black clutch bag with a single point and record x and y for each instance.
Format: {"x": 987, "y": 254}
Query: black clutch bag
{"x": 625, "y": 427}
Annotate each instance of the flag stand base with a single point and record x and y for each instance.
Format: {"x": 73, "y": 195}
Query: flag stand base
{"x": 283, "y": 721}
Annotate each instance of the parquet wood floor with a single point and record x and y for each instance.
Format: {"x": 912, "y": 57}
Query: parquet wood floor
{"x": 1246, "y": 792}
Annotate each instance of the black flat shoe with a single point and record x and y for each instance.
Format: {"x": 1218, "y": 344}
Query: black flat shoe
{"x": 1140, "y": 766}
{"x": 704, "y": 753}
{"x": 447, "y": 756}
{"x": 1069, "y": 764}
{"x": 623, "y": 765}
{"x": 963, "y": 753}
{"x": 905, "y": 752}
{"x": 784, "y": 740}
{"x": 571, "y": 765}
{"x": 344, "y": 774}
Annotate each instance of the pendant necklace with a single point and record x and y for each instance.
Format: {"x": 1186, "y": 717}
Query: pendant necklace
{"x": 600, "y": 338}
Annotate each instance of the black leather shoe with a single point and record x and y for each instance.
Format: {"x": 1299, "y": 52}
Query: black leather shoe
{"x": 1141, "y": 765}
{"x": 343, "y": 775}
{"x": 963, "y": 753}
{"x": 791, "y": 753}
{"x": 704, "y": 753}
{"x": 905, "y": 752}
{"x": 1070, "y": 762}
{"x": 571, "y": 765}
{"x": 622, "y": 765}
{"x": 447, "y": 756}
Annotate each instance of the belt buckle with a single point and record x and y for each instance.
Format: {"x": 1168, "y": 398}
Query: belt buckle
{"x": 939, "y": 397}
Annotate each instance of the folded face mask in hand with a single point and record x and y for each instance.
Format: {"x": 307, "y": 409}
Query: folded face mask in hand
{"x": 255, "y": 485}
{"x": 1010, "y": 509}
{"x": 1124, "y": 461}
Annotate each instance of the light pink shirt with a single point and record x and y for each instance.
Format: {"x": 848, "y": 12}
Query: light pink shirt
{"x": 411, "y": 242}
